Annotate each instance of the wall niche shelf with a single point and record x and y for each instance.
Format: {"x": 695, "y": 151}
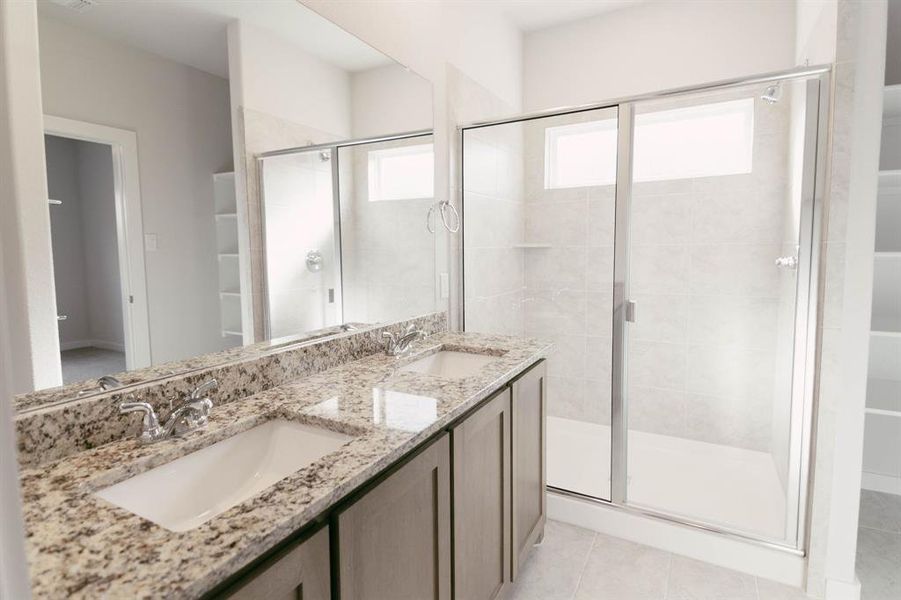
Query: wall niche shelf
{"x": 882, "y": 460}
{"x": 225, "y": 214}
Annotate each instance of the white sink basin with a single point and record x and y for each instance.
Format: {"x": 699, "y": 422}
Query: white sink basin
{"x": 191, "y": 490}
{"x": 450, "y": 364}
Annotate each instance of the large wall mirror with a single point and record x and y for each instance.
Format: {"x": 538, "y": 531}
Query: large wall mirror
{"x": 222, "y": 174}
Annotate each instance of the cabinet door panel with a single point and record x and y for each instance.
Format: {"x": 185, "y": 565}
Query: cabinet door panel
{"x": 394, "y": 542}
{"x": 482, "y": 501}
{"x": 301, "y": 574}
{"x": 529, "y": 412}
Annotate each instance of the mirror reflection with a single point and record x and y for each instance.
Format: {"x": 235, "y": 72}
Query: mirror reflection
{"x": 346, "y": 236}
{"x": 226, "y": 173}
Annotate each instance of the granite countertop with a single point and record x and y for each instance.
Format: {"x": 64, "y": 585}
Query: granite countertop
{"x": 83, "y": 547}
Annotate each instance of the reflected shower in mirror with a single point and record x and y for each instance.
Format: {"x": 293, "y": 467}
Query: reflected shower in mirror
{"x": 345, "y": 233}
{"x": 153, "y": 166}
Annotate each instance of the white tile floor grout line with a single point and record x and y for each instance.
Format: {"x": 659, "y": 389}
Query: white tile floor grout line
{"x": 584, "y": 564}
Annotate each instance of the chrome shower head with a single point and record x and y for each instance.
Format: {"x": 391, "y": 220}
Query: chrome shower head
{"x": 772, "y": 94}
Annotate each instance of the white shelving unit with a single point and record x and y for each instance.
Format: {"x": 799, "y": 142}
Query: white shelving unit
{"x": 882, "y": 438}
{"x": 226, "y": 217}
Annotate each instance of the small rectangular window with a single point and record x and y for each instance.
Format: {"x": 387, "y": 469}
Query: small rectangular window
{"x": 579, "y": 155}
{"x": 404, "y": 173}
{"x": 683, "y": 143}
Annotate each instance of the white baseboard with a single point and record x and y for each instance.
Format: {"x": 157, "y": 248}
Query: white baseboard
{"x": 755, "y": 559}
{"x": 881, "y": 483}
{"x": 842, "y": 590}
{"x": 104, "y": 345}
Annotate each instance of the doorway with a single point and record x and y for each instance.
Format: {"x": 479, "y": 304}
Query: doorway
{"x": 98, "y": 262}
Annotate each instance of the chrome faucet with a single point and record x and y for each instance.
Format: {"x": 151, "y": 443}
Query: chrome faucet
{"x": 104, "y": 384}
{"x": 398, "y": 346}
{"x": 193, "y": 413}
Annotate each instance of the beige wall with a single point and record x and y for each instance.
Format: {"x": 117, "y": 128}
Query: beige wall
{"x": 655, "y": 46}
{"x": 180, "y": 115}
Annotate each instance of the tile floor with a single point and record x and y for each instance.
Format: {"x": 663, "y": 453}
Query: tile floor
{"x": 89, "y": 363}
{"x": 879, "y": 546}
{"x": 575, "y": 563}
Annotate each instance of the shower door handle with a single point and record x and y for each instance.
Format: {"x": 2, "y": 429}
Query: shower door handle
{"x": 630, "y": 311}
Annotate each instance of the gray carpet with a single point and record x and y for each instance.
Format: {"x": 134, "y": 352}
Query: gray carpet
{"x": 90, "y": 363}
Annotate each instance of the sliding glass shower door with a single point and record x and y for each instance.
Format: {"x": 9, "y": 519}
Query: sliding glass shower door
{"x": 666, "y": 247}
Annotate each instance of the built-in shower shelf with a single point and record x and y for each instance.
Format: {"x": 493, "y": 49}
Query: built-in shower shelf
{"x": 230, "y": 294}
{"x": 532, "y": 246}
{"x": 229, "y": 215}
{"x": 228, "y": 255}
{"x": 885, "y": 255}
{"x": 227, "y": 332}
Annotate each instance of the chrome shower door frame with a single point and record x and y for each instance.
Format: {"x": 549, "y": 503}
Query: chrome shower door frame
{"x": 805, "y": 321}
{"x": 804, "y": 361}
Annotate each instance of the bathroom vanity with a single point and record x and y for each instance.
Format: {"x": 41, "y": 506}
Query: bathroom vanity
{"x": 432, "y": 485}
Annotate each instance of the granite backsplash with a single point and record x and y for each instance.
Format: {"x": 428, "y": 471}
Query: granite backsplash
{"x": 45, "y": 434}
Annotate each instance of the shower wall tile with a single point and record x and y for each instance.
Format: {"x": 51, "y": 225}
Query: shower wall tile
{"x": 728, "y": 421}
{"x": 661, "y": 318}
{"x": 568, "y": 358}
{"x": 501, "y": 313}
{"x": 664, "y": 219}
{"x": 657, "y": 364}
{"x": 601, "y": 218}
{"x": 599, "y": 359}
{"x": 600, "y": 268}
{"x": 493, "y": 271}
{"x": 599, "y": 317}
{"x": 557, "y": 223}
{"x": 737, "y": 321}
{"x": 566, "y": 398}
{"x": 659, "y": 269}
{"x": 556, "y": 268}
{"x": 744, "y": 269}
{"x": 729, "y": 371}
{"x": 492, "y": 221}
{"x": 551, "y": 312}
{"x": 742, "y": 215}
{"x": 657, "y": 188}
{"x": 657, "y": 410}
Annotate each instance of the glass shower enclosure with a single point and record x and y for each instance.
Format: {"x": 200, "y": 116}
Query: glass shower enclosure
{"x": 343, "y": 235}
{"x": 666, "y": 246}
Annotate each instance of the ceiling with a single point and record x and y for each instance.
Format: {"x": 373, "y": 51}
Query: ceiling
{"x": 530, "y": 15}
{"x": 193, "y": 32}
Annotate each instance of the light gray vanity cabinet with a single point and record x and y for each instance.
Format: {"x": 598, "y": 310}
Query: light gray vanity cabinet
{"x": 529, "y": 424}
{"x": 481, "y": 449}
{"x": 394, "y": 542}
{"x": 300, "y": 574}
